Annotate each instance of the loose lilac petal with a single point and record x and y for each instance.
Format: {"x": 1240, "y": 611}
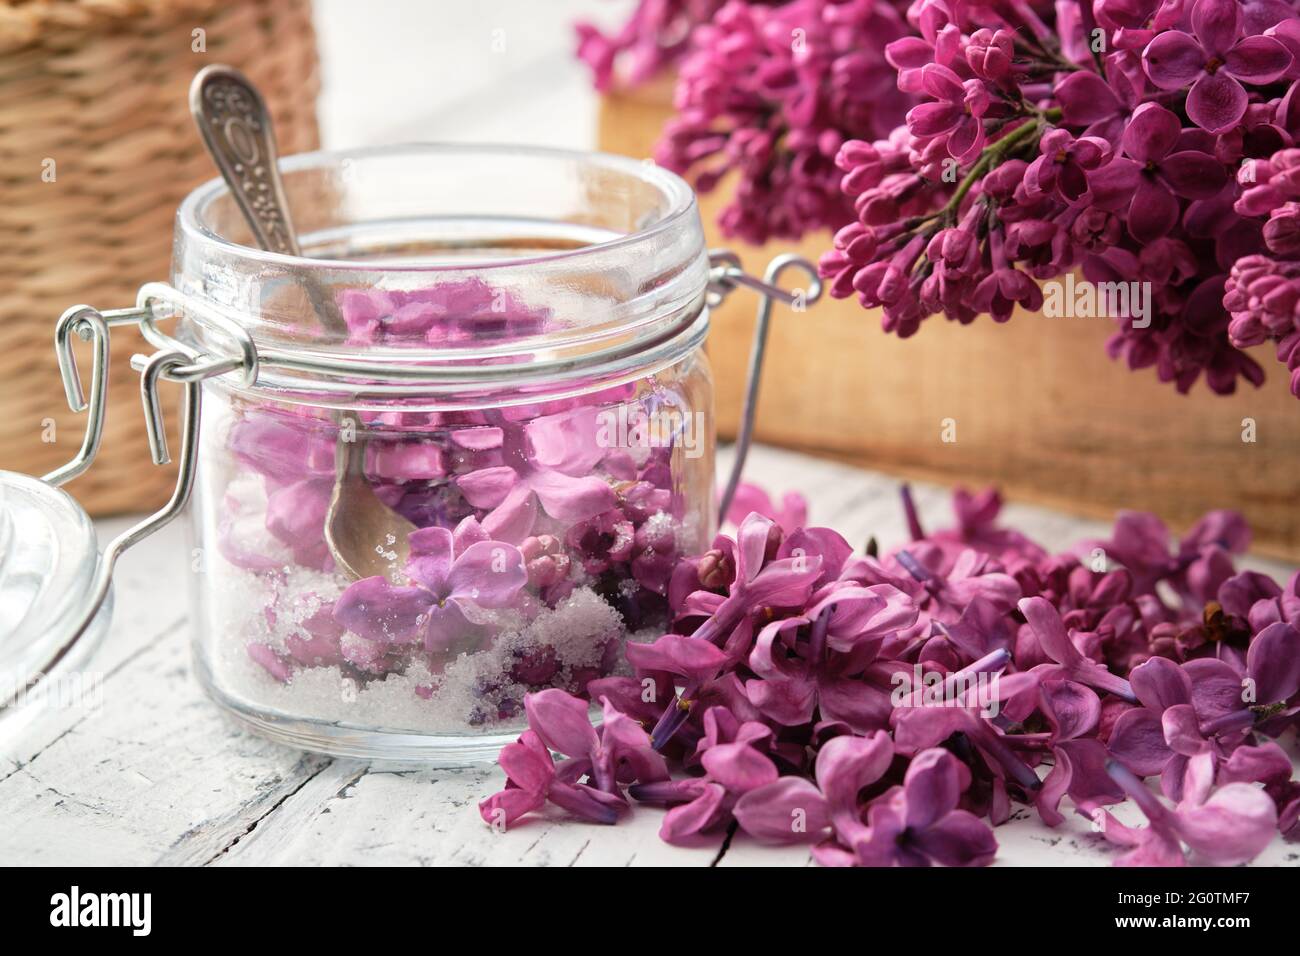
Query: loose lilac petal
{"x": 430, "y": 558}
{"x": 1266, "y": 763}
{"x": 1216, "y": 687}
{"x": 1046, "y": 624}
{"x": 933, "y": 787}
{"x": 504, "y": 808}
{"x": 688, "y": 657}
{"x": 383, "y": 612}
{"x": 487, "y": 487}
{"x": 751, "y": 545}
{"x": 562, "y": 722}
{"x": 1257, "y": 60}
{"x": 1273, "y": 663}
{"x": 789, "y": 701}
{"x": 1216, "y": 103}
{"x": 847, "y": 764}
{"x": 1071, "y": 708}
{"x": 527, "y": 763}
{"x": 514, "y": 518}
{"x": 274, "y": 664}
{"x": 1090, "y": 783}
{"x": 1160, "y": 683}
{"x": 1182, "y": 730}
{"x": 738, "y": 767}
{"x": 1173, "y": 60}
{"x": 490, "y": 574}
{"x": 1137, "y": 740}
{"x": 1232, "y": 827}
{"x": 572, "y": 499}
{"x": 784, "y": 583}
{"x": 789, "y": 810}
{"x": 585, "y": 802}
{"x": 682, "y": 823}
{"x": 859, "y": 705}
{"x": 959, "y": 839}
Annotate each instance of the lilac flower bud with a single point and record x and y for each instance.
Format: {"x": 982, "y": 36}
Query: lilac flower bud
{"x": 989, "y": 54}
{"x": 1282, "y": 231}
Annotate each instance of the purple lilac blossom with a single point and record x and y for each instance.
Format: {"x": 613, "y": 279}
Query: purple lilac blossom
{"x": 786, "y": 702}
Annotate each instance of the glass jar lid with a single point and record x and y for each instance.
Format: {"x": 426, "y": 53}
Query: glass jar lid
{"x": 48, "y": 563}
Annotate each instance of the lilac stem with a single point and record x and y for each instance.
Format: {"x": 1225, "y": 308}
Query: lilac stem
{"x": 1147, "y": 801}
{"x": 672, "y": 719}
{"x": 992, "y": 661}
{"x": 986, "y": 737}
{"x": 1099, "y": 678}
{"x": 914, "y": 567}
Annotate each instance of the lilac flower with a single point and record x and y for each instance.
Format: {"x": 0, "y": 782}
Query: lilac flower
{"x": 1079, "y": 768}
{"x": 1229, "y": 701}
{"x": 532, "y": 779}
{"x": 1157, "y": 172}
{"x": 619, "y": 751}
{"x": 652, "y": 39}
{"x": 512, "y": 498}
{"x": 1137, "y": 738}
{"x": 1215, "y": 60}
{"x": 1064, "y": 163}
{"x": 1045, "y": 623}
{"x": 919, "y": 823}
{"x": 769, "y": 94}
{"x": 790, "y": 811}
{"x": 734, "y": 764}
{"x": 956, "y": 114}
{"x": 446, "y": 596}
{"x": 1102, "y": 106}
{"x": 1226, "y": 827}
{"x": 793, "y": 647}
{"x": 824, "y": 673}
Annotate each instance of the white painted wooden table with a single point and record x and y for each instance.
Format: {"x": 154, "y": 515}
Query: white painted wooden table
{"x": 157, "y": 775}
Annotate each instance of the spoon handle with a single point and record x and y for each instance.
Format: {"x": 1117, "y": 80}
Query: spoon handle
{"x": 236, "y": 126}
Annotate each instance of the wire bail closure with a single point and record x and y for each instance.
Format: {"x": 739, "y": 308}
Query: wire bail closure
{"x": 728, "y": 274}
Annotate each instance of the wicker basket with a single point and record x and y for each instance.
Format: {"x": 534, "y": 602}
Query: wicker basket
{"x": 100, "y": 88}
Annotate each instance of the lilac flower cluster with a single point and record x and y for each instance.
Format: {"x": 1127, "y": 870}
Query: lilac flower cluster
{"x": 1262, "y": 293}
{"x": 893, "y": 710}
{"x": 1105, "y": 137}
{"x": 517, "y": 508}
{"x": 654, "y": 37}
{"x": 1143, "y": 142}
{"x": 769, "y": 94}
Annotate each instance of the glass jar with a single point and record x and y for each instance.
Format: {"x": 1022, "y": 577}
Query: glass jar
{"x": 448, "y": 455}
{"x": 486, "y": 493}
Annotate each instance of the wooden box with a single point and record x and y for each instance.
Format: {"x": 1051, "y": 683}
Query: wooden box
{"x": 1036, "y": 405}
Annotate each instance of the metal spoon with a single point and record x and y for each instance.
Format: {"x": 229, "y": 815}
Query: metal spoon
{"x": 364, "y": 535}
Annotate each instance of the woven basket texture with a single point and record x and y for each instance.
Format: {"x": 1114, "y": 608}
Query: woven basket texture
{"x": 97, "y": 149}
